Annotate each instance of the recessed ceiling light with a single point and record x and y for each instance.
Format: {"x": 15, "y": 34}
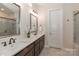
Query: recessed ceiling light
{"x": 2, "y": 9}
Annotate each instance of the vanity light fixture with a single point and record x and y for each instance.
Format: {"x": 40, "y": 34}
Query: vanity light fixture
{"x": 32, "y": 12}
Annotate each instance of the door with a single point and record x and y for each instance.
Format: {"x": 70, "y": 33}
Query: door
{"x": 55, "y": 28}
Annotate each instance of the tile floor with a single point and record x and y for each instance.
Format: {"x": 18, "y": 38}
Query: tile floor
{"x": 55, "y": 52}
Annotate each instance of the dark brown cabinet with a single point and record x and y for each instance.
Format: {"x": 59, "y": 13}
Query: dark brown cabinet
{"x": 30, "y": 53}
{"x": 42, "y": 43}
{"x": 34, "y": 49}
{"x": 27, "y": 51}
{"x": 37, "y": 47}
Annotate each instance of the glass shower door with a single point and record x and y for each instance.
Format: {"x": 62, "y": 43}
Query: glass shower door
{"x": 76, "y": 34}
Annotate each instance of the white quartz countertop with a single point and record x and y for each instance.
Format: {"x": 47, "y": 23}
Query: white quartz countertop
{"x": 20, "y": 44}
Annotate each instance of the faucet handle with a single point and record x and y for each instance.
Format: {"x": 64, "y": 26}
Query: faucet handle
{"x": 12, "y": 40}
{"x": 5, "y": 44}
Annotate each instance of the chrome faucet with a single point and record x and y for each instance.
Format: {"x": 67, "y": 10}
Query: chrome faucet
{"x": 5, "y": 44}
{"x": 10, "y": 41}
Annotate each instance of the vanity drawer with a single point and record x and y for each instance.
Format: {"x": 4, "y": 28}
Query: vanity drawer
{"x": 25, "y": 50}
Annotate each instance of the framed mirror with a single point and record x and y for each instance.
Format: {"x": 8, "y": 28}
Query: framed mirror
{"x": 9, "y": 19}
{"x": 33, "y": 24}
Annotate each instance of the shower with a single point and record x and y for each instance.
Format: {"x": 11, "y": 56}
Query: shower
{"x": 76, "y": 33}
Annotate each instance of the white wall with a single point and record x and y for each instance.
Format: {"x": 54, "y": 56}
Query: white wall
{"x": 68, "y": 26}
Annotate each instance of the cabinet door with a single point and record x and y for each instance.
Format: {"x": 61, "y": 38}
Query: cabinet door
{"x": 37, "y": 49}
{"x": 39, "y": 45}
{"x": 42, "y": 43}
{"x": 37, "y": 53}
{"x": 30, "y": 53}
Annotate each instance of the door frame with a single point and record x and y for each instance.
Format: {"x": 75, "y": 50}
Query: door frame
{"x": 62, "y": 26}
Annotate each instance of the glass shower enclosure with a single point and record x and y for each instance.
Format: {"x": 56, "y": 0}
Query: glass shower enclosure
{"x": 76, "y": 33}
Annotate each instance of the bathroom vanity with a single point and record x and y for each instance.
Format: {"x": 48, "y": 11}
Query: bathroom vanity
{"x": 24, "y": 46}
{"x": 33, "y": 49}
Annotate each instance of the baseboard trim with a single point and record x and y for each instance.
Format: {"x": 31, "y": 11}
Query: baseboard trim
{"x": 68, "y": 49}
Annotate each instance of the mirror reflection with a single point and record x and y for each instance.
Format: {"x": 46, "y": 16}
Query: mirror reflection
{"x": 9, "y": 19}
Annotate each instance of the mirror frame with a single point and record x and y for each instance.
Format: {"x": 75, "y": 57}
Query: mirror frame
{"x": 36, "y": 30}
{"x": 19, "y": 17}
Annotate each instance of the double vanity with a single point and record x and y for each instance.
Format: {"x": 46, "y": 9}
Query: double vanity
{"x": 27, "y": 47}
